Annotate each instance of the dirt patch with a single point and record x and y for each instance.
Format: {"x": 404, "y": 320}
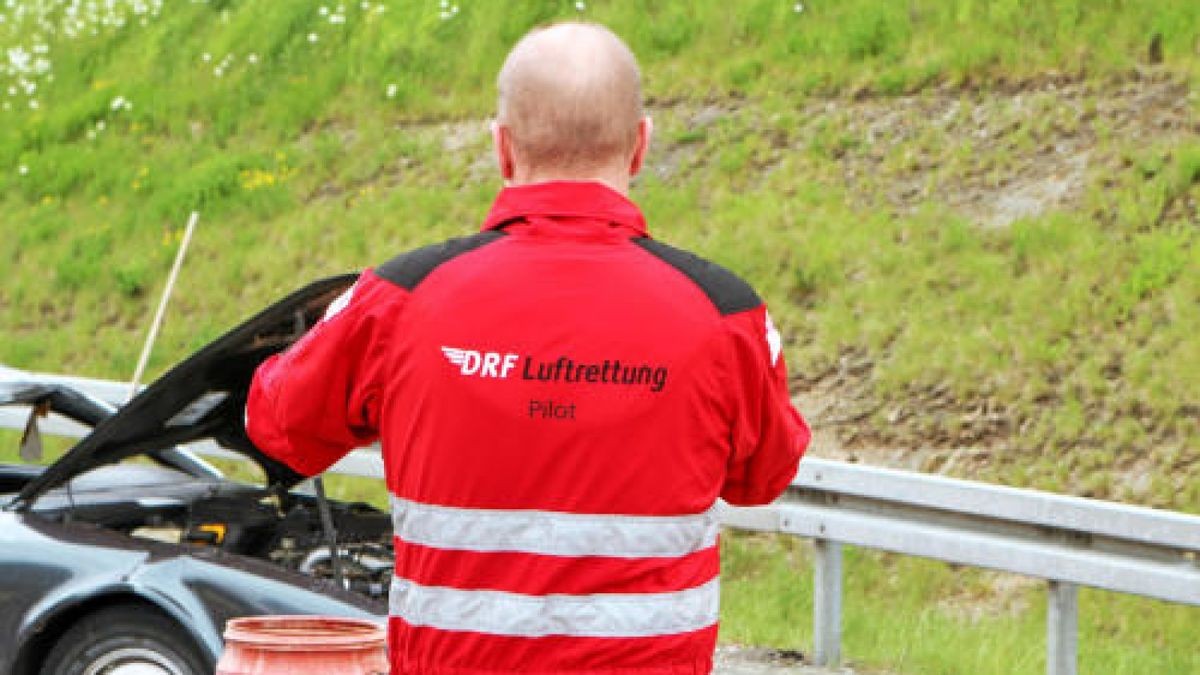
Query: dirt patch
{"x": 994, "y": 156}
{"x": 929, "y": 430}
{"x": 739, "y": 660}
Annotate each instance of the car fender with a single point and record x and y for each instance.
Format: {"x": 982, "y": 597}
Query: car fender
{"x": 204, "y": 590}
{"x": 57, "y": 576}
{"x": 198, "y": 589}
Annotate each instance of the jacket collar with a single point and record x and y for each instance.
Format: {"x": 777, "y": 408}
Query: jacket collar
{"x": 565, "y": 199}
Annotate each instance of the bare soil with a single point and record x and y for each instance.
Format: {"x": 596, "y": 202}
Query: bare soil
{"x": 737, "y": 660}
{"x": 993, "y": 157}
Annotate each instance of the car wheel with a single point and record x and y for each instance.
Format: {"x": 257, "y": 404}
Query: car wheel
{"x": 124, "y": 640}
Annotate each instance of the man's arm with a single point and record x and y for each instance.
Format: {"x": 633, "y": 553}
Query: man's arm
{"x": 320, "y": 399}
{"x": 768, "y": 435}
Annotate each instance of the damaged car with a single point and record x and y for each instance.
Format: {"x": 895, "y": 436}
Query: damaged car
{"x": 129, "y": 553}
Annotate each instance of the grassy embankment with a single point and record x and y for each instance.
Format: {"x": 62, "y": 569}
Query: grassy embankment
{"x": 314, "y": 143}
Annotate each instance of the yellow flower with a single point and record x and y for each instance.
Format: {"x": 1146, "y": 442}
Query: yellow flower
{"x": 254, "y": 179}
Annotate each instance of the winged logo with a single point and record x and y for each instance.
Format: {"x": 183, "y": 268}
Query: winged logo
{"x": 483, "y": 364}
{"x": 456, "y": 356}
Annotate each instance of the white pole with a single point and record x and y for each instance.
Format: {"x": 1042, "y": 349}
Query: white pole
{"x": 827, "y": 603}
{"x": 162, "y": 305}
{"x": 1062, "y": 629}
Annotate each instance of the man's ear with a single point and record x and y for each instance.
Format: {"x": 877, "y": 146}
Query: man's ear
{"x": 502, "y": 142}
{"x": 645, "y": 131}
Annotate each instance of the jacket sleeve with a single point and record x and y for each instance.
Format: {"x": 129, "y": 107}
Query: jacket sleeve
{"x": 768, "y": 435}
{"x": 313, "y": 403}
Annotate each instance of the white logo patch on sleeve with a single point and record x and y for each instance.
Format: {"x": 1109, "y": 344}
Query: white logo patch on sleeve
{"x": 340, "y": 303}
{"x": 774, "y": 341}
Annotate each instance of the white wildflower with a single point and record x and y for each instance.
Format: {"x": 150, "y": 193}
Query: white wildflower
{"x": 23, "y": 170}
{"x": 206, "y": 57}
{"x": 18, "y": 59}
{"x": 313, "y": 37}
{"x": 798, "y": 7}
{"x": 391, "y": 90}
{"x": 252, "y": 57}
{"x": 580, "y": 6}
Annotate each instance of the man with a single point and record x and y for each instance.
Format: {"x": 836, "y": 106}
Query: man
{"x": 560, "y": 399}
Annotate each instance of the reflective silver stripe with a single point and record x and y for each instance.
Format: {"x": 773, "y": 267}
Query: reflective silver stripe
{"x": 553, "y": 533}
{"x": 601, "y": 615}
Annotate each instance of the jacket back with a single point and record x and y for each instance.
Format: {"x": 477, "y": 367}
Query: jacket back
{"x": 560, "y": 400}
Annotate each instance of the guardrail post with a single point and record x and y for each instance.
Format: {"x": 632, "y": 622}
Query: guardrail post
{"x": 827, "y": 603}
{"x": 1062, "y": 628}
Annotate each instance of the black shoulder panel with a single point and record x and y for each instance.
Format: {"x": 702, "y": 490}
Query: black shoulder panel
{"x": 409, "y": 269}
{"x": 725, "y": 289}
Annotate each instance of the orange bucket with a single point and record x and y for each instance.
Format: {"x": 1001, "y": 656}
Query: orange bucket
{"x": 302, "y": 645}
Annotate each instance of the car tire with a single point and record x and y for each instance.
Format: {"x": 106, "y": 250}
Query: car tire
{"x": 127, "y": 639}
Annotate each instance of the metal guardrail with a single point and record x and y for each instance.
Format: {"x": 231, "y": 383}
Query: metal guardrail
{"x": 1068, "y": 541}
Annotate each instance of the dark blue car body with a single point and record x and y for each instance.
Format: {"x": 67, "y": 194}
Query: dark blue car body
{"x": 86, "y": 532}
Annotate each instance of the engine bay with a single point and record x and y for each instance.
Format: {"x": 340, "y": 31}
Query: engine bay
{"x": 281, "y": 527}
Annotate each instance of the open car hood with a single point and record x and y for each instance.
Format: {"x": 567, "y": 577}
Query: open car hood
{"x": 204, "y": 397}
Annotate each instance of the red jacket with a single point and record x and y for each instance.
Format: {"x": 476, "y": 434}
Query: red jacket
{"x": 561, "y": 400}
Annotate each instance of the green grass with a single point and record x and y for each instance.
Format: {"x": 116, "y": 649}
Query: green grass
{"x": 308, "y": 158}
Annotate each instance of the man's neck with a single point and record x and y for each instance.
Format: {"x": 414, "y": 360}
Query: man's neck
{"x": 616, "y": 181}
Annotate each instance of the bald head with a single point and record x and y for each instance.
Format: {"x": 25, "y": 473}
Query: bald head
{"x": 570, "y": 96}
